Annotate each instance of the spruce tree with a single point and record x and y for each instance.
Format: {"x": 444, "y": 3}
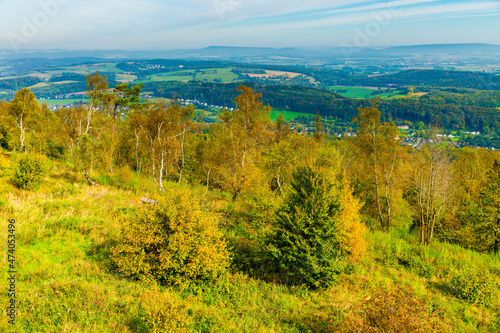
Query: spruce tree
{"x": 305, "y": 246}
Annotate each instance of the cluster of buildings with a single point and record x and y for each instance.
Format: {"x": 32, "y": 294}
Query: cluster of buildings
{"x": 196, "y": 102}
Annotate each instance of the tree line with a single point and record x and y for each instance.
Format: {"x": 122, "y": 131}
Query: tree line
{"x": 429, "y": 110}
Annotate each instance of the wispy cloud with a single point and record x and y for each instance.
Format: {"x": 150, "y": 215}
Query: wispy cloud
{"x": 424, "y": 9}
{"x": 196, "y": 23}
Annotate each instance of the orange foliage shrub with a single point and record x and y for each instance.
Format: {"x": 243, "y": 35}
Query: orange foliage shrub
{"x": 396, "y": 310}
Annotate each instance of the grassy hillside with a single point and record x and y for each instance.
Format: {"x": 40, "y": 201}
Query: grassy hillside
{"x": 66, "y": 282}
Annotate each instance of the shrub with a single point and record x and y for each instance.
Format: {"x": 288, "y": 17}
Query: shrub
{"x": 123, "y": 174}
{"x": 30, "y": 170}
{"x": 304, "y": 245}
{"x": 5, "y": 137}
{"x": 396, "y": 310}
{"x": 474, "y": 286}
{"x": 4, "y": 163}
{"x": 174, "y": 243}
{"x": 54, "y": 149}
{"x": 162, "y": 313}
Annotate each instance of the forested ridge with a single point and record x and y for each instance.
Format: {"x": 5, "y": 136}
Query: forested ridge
{"x": 439, "y": 78}
{"x": 427, "y": 109}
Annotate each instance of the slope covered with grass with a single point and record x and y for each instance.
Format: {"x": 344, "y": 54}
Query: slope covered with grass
{"x": 66, "y": 281}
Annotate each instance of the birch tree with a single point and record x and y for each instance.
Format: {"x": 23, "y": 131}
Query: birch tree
{"x": 241, "y": 136}
{"x": 430, "y": 191}
{"x": 379, "y": 144}
{"x": 165, "y": 128}
{"x": 22, "y": 108}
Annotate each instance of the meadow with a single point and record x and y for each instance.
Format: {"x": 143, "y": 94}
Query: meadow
{"x": 353, "y": 92}
{"x": 62, "y": 101}
{"x": 66, "y": 281}
{"x": 289, "y": 115}
{"x": 87, "y": 69}
{"x": 363, "y": 92}
{"x": 220, "y": 74}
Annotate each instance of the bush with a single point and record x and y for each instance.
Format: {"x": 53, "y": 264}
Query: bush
{"x": 54, "y": 149}
{"x": 5, "y": 137}
{"x": 122, "y": 178}
{"x": 396, "y": 310}
{"x": 305, "y": 245}
{"x": 174, "y": 243}
{"x": 474, "y": 286}
{"x": 161, "y": 313}
{"x": 30, "y": 170}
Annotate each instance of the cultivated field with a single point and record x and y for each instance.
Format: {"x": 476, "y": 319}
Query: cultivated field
{"x": 221, "y": 74}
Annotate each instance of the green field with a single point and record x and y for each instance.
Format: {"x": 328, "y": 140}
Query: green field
{"x": 60, "y": 101}
{"x": 222, "y": 74}
{"x": 159, "y": 78}
{"x": 395, "y": 93}
{"x": 353, "y": 92}
{"x": 9, "y": 77}
{"x": 64, "y": 82}
{"x": 87, "y": 69}
{"x": 362, "y": 92}
{"x": 40, "y": 85}
{"x": 289, "y": 115}
{"x": 126, "y": 77}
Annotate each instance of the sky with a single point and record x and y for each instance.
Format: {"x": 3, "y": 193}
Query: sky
{"x": 192, "y": 24}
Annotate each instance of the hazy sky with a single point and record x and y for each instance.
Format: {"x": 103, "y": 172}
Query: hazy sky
{"x": 129, "y": 24}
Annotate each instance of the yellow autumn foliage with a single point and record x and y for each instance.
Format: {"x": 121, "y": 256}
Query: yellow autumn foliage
{"x": 174, "y": 243}
{"x": 351, "y": 229}
{"x": 164, "y": 313}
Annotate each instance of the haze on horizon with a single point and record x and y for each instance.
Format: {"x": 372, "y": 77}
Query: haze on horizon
{"x": 155, "y": 24}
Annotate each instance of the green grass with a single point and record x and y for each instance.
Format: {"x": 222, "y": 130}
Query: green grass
{"x": 63, "y": 82}
{"x": 40, "y": 85}
{"x": 289, "y": 115}
{"x": 393, "y": 94}
{"x": 87, "y": 69}
{"x": 222, "y": 74}
{"x": 61, "y": 101}
{"x": 361, "y": 92}
{"x": 126, "y": 77}
{"x": 10, "y": 77}
{"x": 158, "y": 78}
{"x": 67, "y": 284}
{"x": 353, "y": 92}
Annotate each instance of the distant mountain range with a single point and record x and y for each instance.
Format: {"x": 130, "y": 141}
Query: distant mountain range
{"x": 242, "y": 53}
{"x": 460, "y": 49}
